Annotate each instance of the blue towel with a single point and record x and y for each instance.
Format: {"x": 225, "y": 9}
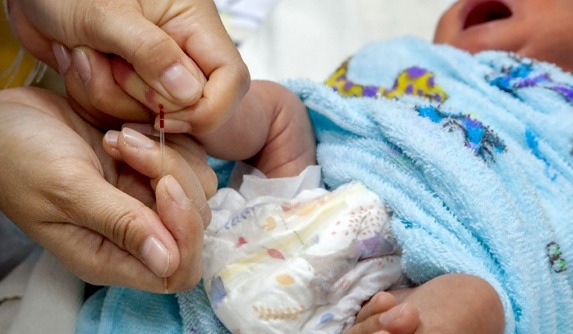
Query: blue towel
{"x": 472, "y": 153}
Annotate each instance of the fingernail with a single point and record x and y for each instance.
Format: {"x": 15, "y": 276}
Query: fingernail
{"x": 82, "y": 64}
{"x": 387, "y": 318}
{"x": 180, "y": 83}
{"x": 156, "y": 256}
{"x": 62, "y": 55}
{"x": 176, "y": 192}
{"x": 111, "y": 138}
{"x": 175, "y": 125}
{"x": 136, "y": 139}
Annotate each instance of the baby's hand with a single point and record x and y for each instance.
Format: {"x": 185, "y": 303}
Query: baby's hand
{"x": 205, "y": 116}
{"x": 270, "y": 129}
{"x": 179, "y": 48}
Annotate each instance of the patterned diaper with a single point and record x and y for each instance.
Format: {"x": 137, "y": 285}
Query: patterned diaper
{"x": 297, "y": 265}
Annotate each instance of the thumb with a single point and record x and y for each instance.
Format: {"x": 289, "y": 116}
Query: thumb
{"x": 130, "y": 225}
{"x": 156, "y": 57}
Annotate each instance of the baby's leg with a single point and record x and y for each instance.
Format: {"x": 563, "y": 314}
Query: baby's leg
{"x": 453, "y": 303}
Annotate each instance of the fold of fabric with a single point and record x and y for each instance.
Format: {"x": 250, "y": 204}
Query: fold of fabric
{"x": 473, "y": 155}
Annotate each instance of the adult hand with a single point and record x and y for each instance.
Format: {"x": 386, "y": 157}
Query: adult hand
{"x": 65, "y": 192}
{"x": 179, "y": 49}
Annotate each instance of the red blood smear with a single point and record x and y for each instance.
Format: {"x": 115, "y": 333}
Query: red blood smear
{"x": 161, "y": 117}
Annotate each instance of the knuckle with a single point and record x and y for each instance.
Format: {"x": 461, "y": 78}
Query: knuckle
{"x": 153, "y": 48}
{"x": 119, "y": 229}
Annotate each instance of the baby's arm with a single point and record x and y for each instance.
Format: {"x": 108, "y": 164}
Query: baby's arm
{"x": 270, "y": 129}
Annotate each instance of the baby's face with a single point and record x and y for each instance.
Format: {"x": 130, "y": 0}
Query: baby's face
{"x": 541, "y": 29}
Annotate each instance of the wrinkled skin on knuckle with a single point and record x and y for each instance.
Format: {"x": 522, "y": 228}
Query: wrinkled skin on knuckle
{"x": 120, "y": 226}
{"x": 152, "y": 50}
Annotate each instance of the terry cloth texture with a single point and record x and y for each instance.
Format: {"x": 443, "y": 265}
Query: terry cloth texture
{"x": 474, "y": 156}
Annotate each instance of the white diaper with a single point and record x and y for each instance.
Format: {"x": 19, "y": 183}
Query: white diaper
{"x": 300, "y": 262}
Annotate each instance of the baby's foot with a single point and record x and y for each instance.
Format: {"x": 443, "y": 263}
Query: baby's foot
{"x": 383, "y": 314}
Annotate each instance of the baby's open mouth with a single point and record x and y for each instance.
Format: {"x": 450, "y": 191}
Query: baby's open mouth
{"x": 486, "y": 12}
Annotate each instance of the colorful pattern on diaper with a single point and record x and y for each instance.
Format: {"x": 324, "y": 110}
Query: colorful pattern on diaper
{"x": 411, "y": 81}
{"x": 301, "y": 255}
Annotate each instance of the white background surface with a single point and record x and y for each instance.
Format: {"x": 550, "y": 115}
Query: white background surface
{"x": 310, "y": 38}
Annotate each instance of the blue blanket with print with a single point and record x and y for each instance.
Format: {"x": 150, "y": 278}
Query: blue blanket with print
{"x": 473, "y": 154}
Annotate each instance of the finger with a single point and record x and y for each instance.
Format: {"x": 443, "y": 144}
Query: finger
{"x": 228, "y": 77}
{"x": 180, "y": 215}
{"x": 152, "y": 52}
{"x": 400, "y": 319}
{"x": 221, "y": 95}
{"x": 34, "y": 40}
{"x": 133, "y": 84}
{"x": 189, "y": 149}
{"x": 65, "y": 193}
{"x": 96, "y": 259}
{"x": 145, "y": 156}
{"x": 87, "y": 200}
{"x": 185, "y": 224}
{"x": 196, "y": 158}
{"x": 380, "y": 302}
{"x": 90, "y": 83}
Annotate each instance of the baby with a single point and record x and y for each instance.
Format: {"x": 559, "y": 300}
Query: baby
{"x": 433, "y": 82}
{"x": 412, "y": 135}
{"x": 427, "y": 121}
